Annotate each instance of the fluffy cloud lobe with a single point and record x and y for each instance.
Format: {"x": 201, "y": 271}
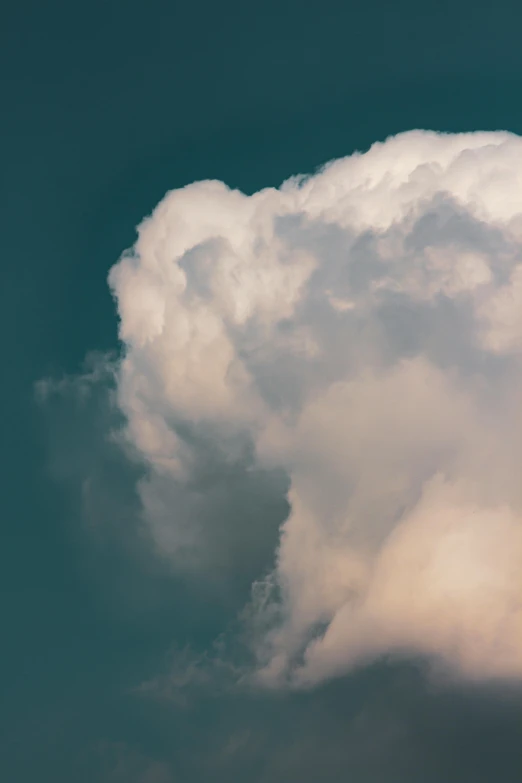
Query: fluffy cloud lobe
{"x": 360, "y": 330}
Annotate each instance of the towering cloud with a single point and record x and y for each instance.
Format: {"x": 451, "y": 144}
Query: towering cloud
{"x": 360, "y": 330}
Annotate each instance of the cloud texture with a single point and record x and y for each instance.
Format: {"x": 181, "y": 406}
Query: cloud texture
{"x": 359, "y": 330}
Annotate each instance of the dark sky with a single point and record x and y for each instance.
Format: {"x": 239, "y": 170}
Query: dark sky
{"x": 106, "y": 106}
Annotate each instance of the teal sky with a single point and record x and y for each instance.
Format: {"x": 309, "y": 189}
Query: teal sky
{"x": 106, "y": 106}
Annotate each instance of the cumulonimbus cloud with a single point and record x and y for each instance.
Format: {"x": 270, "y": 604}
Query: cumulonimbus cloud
{"x": 361, "y": 330}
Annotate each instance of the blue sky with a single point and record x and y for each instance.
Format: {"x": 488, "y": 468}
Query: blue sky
{"x": 106, "y": 107}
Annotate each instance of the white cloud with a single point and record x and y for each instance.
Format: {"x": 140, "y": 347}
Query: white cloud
{"x": 360, "y": 329}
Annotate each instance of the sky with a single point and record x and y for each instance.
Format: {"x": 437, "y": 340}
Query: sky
{"x": 222, "y": 558}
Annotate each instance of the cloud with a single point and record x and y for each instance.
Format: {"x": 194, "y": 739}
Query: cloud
{"x": 119, "y": 762}
{"x": 358, "y": 332}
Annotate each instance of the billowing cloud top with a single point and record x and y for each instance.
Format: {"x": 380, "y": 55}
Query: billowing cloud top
{"x": 361, "y": 330}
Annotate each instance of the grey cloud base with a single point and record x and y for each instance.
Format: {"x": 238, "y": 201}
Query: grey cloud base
{"x": 355, "y": 337}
